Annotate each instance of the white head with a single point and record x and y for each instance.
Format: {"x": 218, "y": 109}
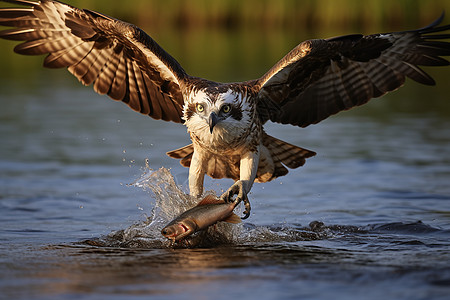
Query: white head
{"x": 215, "y": 116}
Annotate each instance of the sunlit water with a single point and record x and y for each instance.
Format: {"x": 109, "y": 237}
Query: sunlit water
{"x": 81, "y": 214}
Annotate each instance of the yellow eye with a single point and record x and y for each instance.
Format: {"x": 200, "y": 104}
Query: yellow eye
{"x": 226, "y": 108}
{"x": 200, "y": 107}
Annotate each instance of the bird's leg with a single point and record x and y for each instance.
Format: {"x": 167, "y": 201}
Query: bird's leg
{"x": 196, "y": 176}
{"x": 248, "y": 168}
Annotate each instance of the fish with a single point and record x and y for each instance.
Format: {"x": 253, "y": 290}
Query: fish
{"x": 207, "y": 212}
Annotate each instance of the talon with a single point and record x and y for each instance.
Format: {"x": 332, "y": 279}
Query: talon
{"x": 226, "y": 197}
{"x": 247, "y": 209}
{"x": 238, "y": 189}
{"x": 233, "y": 190}
{"x": 230, "y": 196}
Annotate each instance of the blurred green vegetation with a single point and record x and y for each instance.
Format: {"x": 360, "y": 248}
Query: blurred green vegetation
{"x": 235, "y": 40}
{"x": 308, "y": 15}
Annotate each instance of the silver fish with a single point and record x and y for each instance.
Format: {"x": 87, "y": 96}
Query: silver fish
{"x": 207, "y": 212}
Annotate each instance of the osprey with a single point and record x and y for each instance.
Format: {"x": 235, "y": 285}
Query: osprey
{"x": 317, "y": 79}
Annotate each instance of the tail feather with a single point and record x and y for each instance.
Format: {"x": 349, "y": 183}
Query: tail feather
{"x": 276, "y": 156}
{"x": 281, "y": 155}
{"x": 290, "y": 155}
{"x": 184, "y": 153}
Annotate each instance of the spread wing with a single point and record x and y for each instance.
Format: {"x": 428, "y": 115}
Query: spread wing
{"x": 319, "y": 78}
{"x": 118, "y": 58}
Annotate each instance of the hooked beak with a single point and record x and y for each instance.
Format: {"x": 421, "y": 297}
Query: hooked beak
{"x": 212, "y": 121}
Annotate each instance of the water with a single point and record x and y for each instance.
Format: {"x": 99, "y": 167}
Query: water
{"x": 368, "y": 217}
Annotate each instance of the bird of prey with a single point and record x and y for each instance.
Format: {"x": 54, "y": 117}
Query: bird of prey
{"x": 315, "y": 80}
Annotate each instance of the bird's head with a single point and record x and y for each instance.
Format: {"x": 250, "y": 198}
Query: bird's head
{"x": 210, "y": 112}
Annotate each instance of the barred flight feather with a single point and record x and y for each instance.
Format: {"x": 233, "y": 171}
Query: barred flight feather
{"x": 386, "y": 59}
{"x": 112, "y": 55}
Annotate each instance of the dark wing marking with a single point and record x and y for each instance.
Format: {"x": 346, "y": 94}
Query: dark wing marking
{"x": 118, "y": 58}
{"x": 319, "y": 78}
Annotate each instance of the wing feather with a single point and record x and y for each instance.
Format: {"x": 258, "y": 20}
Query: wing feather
{"x": 118, "y": 58}
{"x": 319, "y": 78}
{"x": 94, "y": 71}
{"x": 133, "y": 91}
{"x": 106, "y": 77}
{"x": 119, "y": 88}
{"x": 153, "y": 103}
{"x": 141, "y": 87}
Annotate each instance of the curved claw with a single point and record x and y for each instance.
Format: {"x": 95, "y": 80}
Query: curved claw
{"x": 247, "y": 209}
{"x": 238, "y": 189}
{"x": 228, "y": 195}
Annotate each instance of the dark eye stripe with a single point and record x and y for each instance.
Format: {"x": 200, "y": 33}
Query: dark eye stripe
{"x": 236, "y": 112}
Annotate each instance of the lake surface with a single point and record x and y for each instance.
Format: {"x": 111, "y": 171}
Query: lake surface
{"x": 80, "y": 213}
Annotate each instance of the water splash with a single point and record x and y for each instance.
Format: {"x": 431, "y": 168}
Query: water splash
{"x": 170, "y": 201}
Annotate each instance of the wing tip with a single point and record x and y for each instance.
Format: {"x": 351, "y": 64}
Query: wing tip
{"x": 23, "y": 2}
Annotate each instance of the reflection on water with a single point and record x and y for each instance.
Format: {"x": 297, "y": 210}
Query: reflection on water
{"x": 382, "y": 260}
